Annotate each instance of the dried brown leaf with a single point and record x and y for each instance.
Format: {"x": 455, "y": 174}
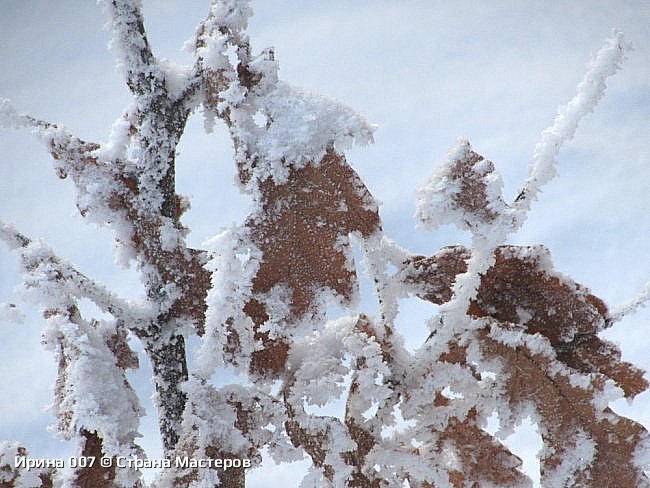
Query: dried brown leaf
{"x": 566, "y": 412}
{"x": 470, "y": 173}
{"x": 465, "y": 191}
{"x": 431, "y": 278}
{"x": 302, "y": 230}
{"x": 521, "y": 288}
{"x": 484, "y": 460}
{"x": 96, "y": 476}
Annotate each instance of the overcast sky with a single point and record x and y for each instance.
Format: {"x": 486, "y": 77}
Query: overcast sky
{"x": 426, "y": 72}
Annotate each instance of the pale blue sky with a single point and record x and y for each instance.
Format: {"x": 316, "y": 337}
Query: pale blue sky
{"x": 427, "y": 72}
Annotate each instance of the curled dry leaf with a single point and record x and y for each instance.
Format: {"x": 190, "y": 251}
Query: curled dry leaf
{"x": 471, "y": 173}
{"x": 466, "y": 190}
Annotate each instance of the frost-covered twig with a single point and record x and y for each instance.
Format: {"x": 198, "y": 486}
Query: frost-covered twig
{"x": 48, "y": 132}
{"x": 134, "y": 52}
{"x": 65, "y": 276}
{"x": 379, "y": 253}
{"x": 466, "y": 192}
{"x": 71, "y": 154}
{"x": 10, "y": 118}
{"x": 590, "y": 90}
{"x": 631, "y": 306}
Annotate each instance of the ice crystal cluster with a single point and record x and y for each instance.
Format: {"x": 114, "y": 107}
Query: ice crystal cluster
{"x": 513, "y": 337}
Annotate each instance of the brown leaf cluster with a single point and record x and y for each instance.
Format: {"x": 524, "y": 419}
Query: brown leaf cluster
{"x": 565, "y": 412}
{"x": 521, "y": 292}
{"x": 559, "y": 309}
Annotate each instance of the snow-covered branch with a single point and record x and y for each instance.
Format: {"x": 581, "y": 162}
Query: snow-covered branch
{"x": 63, "y": 145}
{"x": 632, "y": 305}
{"x": 590, "y": 91}
{"x": 466, "y": 190}
{"x": 129, "y": 37}
{"x": 10, "y": 118}
{"x": 48, "y": 132}
{"x": 55, "y": 278}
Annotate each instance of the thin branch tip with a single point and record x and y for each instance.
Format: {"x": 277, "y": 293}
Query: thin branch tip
{"x": 605, "y": 63}
{"x": 632, "y": 306}
{"x": 12, "y": 238}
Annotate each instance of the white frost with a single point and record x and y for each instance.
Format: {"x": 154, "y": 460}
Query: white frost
{"x": 234, "y": 264}
{"x": 300, "y": 127}
{"x": 632, "y": 305}
{"x": 97, "y": 396}
{"x": 590, "y": 90}
{"x": 575, "y": 458}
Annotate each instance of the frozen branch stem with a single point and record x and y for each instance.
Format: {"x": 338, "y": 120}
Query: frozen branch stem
{"x": 590, "y": 91}
{"x": 35, "y": 254}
